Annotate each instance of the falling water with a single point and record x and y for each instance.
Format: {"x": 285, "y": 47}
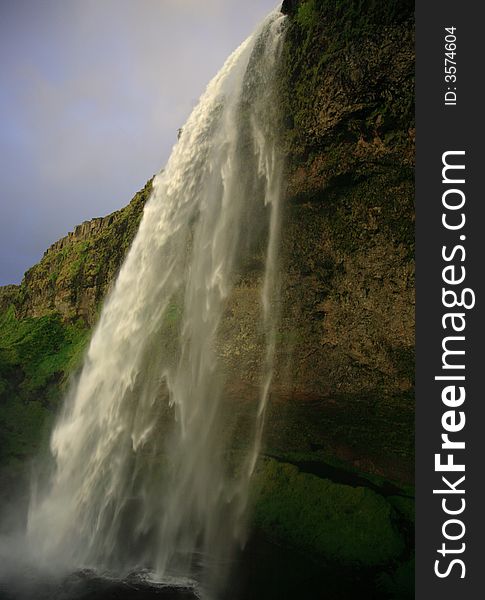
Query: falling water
{"x": 144, "y": 473}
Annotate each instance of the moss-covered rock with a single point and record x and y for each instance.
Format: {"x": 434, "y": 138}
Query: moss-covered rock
{"x": 348, "y": 525}
{"x": 37, "y": 356}
{"x": 76, "y": 272}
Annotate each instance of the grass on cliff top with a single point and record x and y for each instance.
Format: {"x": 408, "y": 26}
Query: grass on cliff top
{"x": 88, "y": 261}
{"x": 343, "y": 23}
{"x": 36, "y": 357}
{"x": 42, "y": 348}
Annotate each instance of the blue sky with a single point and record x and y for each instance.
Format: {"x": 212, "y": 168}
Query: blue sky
{"x": 92, "y": 93}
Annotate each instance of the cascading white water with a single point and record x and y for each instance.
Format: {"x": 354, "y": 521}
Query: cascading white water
{"x": 143, "y": 474}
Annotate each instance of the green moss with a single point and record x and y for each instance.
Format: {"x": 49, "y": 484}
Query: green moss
{"x": 399, "y": 584}
{"x": 352, "y": 19}
{"x": 41, "y": 348}
{"x": 74, "y": 276}
{"x": 36, "y": 357}
{"x": 336, "y": 43}
{"x": 307, "y": 14}
{"x": 325, "y": 458}
{"x": 351, "y": 525}
{"x": 173, "y": 314}
{"x": 21, "y": 428}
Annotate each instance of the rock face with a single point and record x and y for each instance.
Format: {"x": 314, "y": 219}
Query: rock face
{"x": 76, "y": 272}
{"x": 345, "y": 363}
{"x": 8, "y": 296}
{"x": 345, "y": 368}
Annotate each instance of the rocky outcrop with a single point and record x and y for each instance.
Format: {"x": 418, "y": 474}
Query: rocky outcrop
{"x": 76, "y": 272}
{"x": 345, "y": 359}
{"x": 83, "y": 232}
{"x": 8, "y": 296}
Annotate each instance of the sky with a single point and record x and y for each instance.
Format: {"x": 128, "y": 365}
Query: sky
{"x": 92, "y": 93}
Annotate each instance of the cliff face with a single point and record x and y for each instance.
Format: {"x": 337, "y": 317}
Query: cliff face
{"x": 343, "y": 386}
{"x": 76, "y": 272}
{"x": 44, "y": 327}
{"x": 344, "y": 375}
{"x": 345, "y": 368}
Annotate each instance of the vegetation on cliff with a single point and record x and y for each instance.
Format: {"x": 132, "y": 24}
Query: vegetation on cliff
{"x": 344, "y": 377}
{"x": 36, "y": 358}
{"x": 76, "y": 272}
{"x": 347, "y": 95}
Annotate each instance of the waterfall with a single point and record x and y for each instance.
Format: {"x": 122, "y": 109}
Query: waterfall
{"x": 144, "y": 471}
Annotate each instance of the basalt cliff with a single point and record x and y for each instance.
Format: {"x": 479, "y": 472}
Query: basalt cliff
{"x": 342, "y": 407}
